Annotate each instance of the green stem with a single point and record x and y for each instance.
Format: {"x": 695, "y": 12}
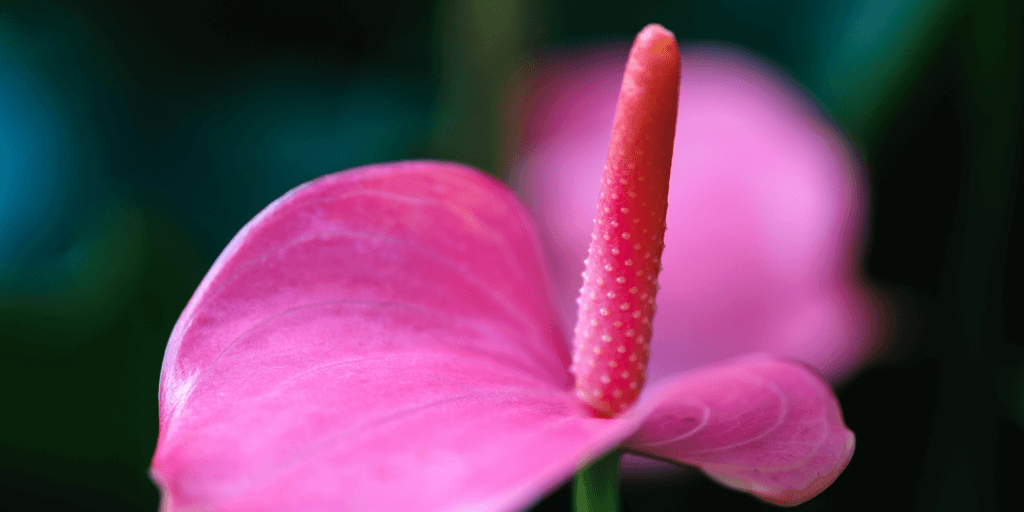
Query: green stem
{"x": 596, "y": 487}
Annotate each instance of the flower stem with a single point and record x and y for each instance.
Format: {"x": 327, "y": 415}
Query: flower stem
{"x": 596, "y": 487}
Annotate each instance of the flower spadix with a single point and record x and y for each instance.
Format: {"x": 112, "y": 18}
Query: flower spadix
{"x": 616, "y": 301}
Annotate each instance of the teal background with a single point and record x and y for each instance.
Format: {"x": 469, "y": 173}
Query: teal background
{"x": 136, "y": 139}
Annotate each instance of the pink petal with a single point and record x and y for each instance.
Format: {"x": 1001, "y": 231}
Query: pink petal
{"x": 383, "y": 339}
{"x": 758, "y": 424}
{"x": 767, "y": 205}
{"x": 377, "y": 339}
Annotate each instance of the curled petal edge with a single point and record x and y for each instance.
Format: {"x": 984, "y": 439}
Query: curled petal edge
{"x": 758, "y": 424}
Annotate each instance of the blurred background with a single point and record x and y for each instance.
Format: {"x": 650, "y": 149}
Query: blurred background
{"x": 137, "y": 138}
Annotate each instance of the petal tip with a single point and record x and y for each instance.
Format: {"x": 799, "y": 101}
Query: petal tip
{"x": 791, "y": 497}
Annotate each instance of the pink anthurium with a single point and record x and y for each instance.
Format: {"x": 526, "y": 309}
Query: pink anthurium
{"x": 386, "y": 339}
{"x": 767, "y": 207}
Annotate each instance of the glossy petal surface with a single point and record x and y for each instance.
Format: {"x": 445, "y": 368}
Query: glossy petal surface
{"x": 765, "y": 219}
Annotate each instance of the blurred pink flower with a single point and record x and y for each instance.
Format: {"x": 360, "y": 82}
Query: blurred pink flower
{"x": 767, "y": 208}
{"x": 385, "y": 339}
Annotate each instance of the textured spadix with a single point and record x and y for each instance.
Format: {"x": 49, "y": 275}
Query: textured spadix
{"x": 620, "y": 281}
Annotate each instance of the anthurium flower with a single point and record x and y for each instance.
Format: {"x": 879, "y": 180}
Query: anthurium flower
{"x": 386, "y": 338}
{"x": 767, "y": 208}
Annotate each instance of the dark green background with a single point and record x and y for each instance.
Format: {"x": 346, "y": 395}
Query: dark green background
{"x": 138, "y": 138}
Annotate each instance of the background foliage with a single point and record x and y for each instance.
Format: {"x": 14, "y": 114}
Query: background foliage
{"x": 136, "y": 138}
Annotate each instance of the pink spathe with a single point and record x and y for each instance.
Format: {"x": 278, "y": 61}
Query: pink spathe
{"x": 766, "y": 216}
{"x": 386, "y": 339}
